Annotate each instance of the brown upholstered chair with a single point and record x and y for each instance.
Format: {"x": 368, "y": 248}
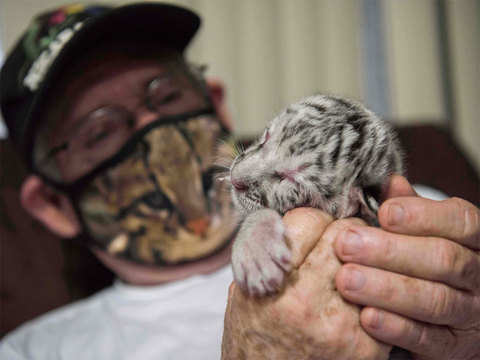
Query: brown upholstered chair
{"x": 38, "y": 271}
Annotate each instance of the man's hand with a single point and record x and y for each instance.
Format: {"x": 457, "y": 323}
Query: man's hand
{"x": 418, "y": 276}
{"x": 308, "y": 320}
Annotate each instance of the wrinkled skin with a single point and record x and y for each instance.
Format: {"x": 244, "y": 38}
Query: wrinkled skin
{"x": 305, "y": 320}
{"x": 421, "y": 275}
{"x": 421, "y": 288}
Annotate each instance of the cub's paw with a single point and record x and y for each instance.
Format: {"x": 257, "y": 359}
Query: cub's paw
{"x": 260, "y": 255}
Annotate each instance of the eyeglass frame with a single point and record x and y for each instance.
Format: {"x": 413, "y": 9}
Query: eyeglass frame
{"x": 194, "y": 74}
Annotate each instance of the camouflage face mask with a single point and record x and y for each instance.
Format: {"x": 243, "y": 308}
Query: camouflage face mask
{"x": 155, "y": 201}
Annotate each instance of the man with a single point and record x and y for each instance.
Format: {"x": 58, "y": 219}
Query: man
{"x": 119, "y": 132}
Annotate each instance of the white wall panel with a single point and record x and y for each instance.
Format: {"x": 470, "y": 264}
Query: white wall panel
{"x": 464, "y": 19}
{"x": 258, "y": 65}
{"x": 339, "y": 23}
{"x": 300, "y": 40}
{"x": 214, "y": 45}
{"x": 412, "y": 44}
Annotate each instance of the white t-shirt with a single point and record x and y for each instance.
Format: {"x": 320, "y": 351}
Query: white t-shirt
{"x": 180, "y": 320}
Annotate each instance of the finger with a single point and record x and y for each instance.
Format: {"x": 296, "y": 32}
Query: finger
{"x": 303, "y": 229}
{"x": 397, "y": 186}
{"x": 454, "y": 219}
{"x": 426, "y": 258}
{"x": 432, "y": 341}
{"x": 417, "y": 299}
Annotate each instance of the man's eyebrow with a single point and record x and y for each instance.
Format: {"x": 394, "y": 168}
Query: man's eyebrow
{"x": 76, "y": 125}
{"x": 167, "y": 73}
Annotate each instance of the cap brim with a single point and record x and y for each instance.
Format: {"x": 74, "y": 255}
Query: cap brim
{"x": 172, "y": 27}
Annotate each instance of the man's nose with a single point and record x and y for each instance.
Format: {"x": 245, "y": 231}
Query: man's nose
{"x": 143, "y": 117}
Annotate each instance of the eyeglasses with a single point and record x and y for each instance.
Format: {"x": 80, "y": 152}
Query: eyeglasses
{"x": 102, "y": 132}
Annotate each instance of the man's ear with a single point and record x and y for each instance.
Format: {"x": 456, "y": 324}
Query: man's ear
{"x": 217, "y": 94}
{"x": 52, "y": 209}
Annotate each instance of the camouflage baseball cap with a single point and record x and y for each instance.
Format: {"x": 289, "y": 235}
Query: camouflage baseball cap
{"x": 54, "y": 39}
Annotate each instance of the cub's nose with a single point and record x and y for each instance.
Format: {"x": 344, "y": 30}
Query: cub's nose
{"x": 239, "y": 185}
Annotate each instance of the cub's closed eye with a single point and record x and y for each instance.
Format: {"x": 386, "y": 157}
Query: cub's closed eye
{"x": 278, "y": 176}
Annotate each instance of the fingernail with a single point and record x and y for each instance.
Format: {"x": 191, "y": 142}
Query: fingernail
{"x": 376, "y": 319}
{"x": 395, "y": 214}
{"x": 352, "y": 243}
{"x": 355, "y": 280}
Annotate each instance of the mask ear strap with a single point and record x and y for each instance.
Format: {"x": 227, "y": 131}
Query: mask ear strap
{"x": 83, "y": 236}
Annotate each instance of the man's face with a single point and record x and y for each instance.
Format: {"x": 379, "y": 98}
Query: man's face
{"x": 157, "y": 203}
{"x": 117, "y": 81}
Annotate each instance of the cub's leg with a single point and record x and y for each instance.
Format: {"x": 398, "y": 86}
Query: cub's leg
{"x": 260, "y": 255}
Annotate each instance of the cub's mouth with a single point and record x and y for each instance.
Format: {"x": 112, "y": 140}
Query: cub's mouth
{"x": 246, "y": 202}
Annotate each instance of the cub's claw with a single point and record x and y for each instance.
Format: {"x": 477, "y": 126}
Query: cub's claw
{"x": 260, "y": 255}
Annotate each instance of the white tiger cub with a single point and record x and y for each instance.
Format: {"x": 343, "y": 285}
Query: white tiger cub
{"x": 325, "y": 152}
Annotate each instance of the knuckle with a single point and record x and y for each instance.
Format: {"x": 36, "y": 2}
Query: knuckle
{"x": 448, "y": 257}
{"x": 423, "y": 341}
{"x": 456, "y": 201}
{"x": 390, "y": 249}
{"x": 343, "y": 324}
{"x": 419, "y": 336}
{"x": 442, "y": 307}
{"x": 472, "y": 225}
{"x": 293, "y": 309}
{"x": 469, "y": 273}
{"x": 468, "y": 224}
{"x": 388, "y": 291}
{"x": 476, "y": 311}
{"x": 458, "y": 266}
{"x": 458, "y": 222}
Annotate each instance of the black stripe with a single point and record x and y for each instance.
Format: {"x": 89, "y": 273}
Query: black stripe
{"x": 381, "y": 154}
{"x": 264, "y": 200}
{"x": 319, "y": 161}
{"x": 319, "y": 108}
{"x": 343, "y": 102}
{"x": 338, "y": 149}
{"x": 358, "y": 143}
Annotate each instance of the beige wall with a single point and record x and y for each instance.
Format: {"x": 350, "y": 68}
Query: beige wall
{"x": 271, "y": 52}
{"x": 414, "y": 70}
{"x": 464, "y": 23}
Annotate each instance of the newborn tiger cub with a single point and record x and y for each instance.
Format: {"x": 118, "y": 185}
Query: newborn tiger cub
{"x": 324, "y": 152}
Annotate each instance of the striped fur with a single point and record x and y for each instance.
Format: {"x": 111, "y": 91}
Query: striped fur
{"x": 338, "y": 153}
{"x": 325, "y": 152}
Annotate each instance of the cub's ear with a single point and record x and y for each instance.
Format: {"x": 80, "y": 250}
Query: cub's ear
{"x": 361, "y": 202}
{"x": 52, "y": 209}
{"x": 368, "y": 199}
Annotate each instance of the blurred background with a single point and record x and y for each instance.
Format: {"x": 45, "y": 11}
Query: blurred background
{"x": 415, "y": 62}
{"x": 409, "y": 60}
